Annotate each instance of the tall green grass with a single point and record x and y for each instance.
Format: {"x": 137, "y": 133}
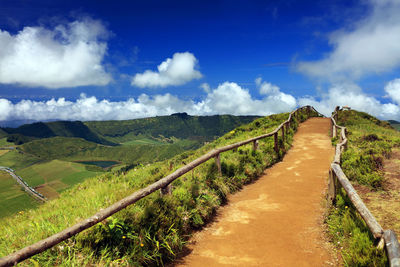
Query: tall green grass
{"x": 369, "y": 142}
{"x": 155, "y": 229}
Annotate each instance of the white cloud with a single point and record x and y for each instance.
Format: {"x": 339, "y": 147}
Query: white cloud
{"x": 371, "y": 45}
{"x": 352, "y": 95}
{"x": 67, "y": 56}
{"x": 393, "y": 90}
{"x": 176, "y": 71}
{"x": 227, "y": 98}
{"x": 206, "y": 87}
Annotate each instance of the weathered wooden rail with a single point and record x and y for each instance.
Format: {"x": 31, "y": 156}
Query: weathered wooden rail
{"x": 162, "y": 184}
{"x": 338, "y": 178}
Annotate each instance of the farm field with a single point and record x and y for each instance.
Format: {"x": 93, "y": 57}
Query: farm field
{"x": 17, "y": 160}
{"x": 3, "y": 142}
{"x": 53, "y": 177}
{"x": 2, "y": 152}
{"x": 12, "y": 198}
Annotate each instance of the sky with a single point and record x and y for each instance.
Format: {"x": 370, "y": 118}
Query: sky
{"x": 116, "y": 60}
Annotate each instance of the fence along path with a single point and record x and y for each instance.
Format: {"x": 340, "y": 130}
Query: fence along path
{"x": 277, "y": 220}
{"x": 162, "y": 184}
{"x": 337, "y": 178}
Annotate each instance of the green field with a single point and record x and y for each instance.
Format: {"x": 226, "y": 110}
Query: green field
{"x": 102, "y": 164}
{"x": 16, "y": 160}
{"x": 53, "y": 177}
{"x": 4, "y": 143}
{"x": 12, "y": 198}
{"x": 142, "y": 141}
{"x": 48, "y": 178}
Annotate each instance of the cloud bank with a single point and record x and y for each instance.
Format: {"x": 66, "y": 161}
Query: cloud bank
{"x": 177, "y": 70}
{"x": 227, "y": 98}
{"x": 369, "y": 46}
{"x": 68, "y": 55}
{"x": 352, "y": 95}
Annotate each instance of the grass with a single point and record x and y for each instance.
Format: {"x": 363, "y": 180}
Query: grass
{"x": 4, "y": 143}
{"x": 16, "y": 159}
{"x": 12, "y": 198}
{"x": 351, "y": 235}
{"x": 49, "y": 178}
{"x": 370, "y": 142}
{"x": 143, "y": 141}
{"x": 56, "y": 174}
{"x": 155, "y": 229}
{"x": 2, "y": 152}
{"x": 77, "y": 149}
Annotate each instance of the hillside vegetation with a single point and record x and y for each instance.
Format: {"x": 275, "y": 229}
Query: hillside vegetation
{"x": 370, "y": 142}
{"x": 155, "y": 229}
{"x": 180, "y": 125}
{"x": 127, "y": 143}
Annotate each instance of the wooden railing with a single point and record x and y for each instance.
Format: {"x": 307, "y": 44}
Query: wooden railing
{"x": 337, "y": 178}
{"x": 162, "y": 184}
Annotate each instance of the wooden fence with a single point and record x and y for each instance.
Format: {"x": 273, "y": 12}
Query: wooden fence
{"x": 162, "y": 184}
{"x": 338, "y": 178}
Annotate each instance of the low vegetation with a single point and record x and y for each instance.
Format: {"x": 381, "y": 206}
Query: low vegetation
{"x": 370, "y": 142}
{"x": 156, "y": 228}
{"x": 12, "y": 198}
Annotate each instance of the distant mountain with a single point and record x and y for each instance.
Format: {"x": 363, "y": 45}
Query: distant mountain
{"x": 160, "y": 129}
{"x": 38, "y": 130}
{"x": 395, "y": 124}
{"x": 179, "y": 125}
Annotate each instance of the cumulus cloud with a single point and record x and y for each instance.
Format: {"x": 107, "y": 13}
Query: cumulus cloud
{"x": 177, "y": 70}
{"x": 371, "y": 45}
{"x": 393, "y": 90}
{"x": 352, "y": 95}
{"x": 68, "y": 55}
{"x": 227, "y": 98}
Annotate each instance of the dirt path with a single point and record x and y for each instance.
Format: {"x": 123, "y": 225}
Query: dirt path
{"x": 276, "y": 221}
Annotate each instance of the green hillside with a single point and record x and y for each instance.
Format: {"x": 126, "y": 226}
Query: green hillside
{"x": 51, "y": 129}
{"x": 395, "y": 124}
{"x": 370, "y": 144}
{"x": 77, "y": 149}
{"x": 153, "y": 230}
{"x": 2, "y": 133}
{"x": 179, "y": 125}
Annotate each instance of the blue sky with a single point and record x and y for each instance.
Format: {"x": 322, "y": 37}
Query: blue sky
{"x": 96, "y": 60}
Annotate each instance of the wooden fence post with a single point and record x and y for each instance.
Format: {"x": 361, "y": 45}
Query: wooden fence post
{"x": 166, "y": 190}
{"x": 276, "y": 148}
{"x": 332, "y": 188}
{"x": 283, "y": 133}
{"x": 255, "y": 145}
{"x": 392, "y": 248}
{"x": 218, "y": 162}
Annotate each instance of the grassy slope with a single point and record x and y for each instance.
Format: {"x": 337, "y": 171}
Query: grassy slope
{"x": 370, "y": 141}
{"x": 79, "y": 149}
{"x": 52, "y": 176}
{"x": 155, "y": 228}
{"x": 15, "y": 159}
{"x": 58, "y": 128}
{"x": 4, "y": 143}
{"x": 56, "y": 174}
{"x": 180, "y": 126}
{"x": 12, "y": 198}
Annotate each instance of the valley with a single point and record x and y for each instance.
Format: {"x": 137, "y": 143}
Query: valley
{"x": 52, "y": 157}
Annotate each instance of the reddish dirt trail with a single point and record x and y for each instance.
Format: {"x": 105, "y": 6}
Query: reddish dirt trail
{"x": 276, "y": 221}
